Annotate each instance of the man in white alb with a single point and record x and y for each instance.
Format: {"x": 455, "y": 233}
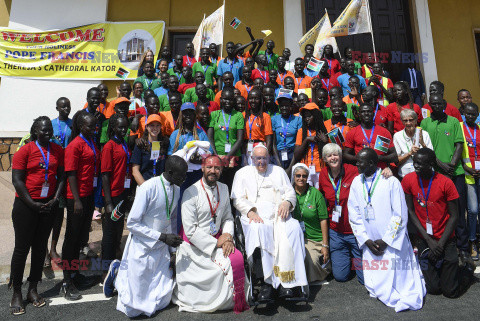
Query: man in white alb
{"x": 378, "y": 215}
{"x": 210, "y": 271}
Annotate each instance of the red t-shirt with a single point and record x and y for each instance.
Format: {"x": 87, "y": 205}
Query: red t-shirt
{"x": 328, "y": 83}
{"x": 30, "y": 159}
{"x": 183, "y": 87}
{"x": 256, "y": 73}
{"x": 333, "y": 66}
{"x": 80, "y": 157}
{"x": 141, "y": 111}
{"x": 394, "y": 115}
{"x": 187, "y": 61}
{"x": 381, "y": 115}
{"x": 474, "y": 132}
{"x": 326, "y": 187}
{"x": 212, "y": 106}
{"x": 450, "y": 110}
{"x": 442, "y": 191}
{"x": 114, "y": 160}
{"x": 356, "y": 140}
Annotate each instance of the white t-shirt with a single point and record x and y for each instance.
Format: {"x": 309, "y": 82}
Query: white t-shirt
{"x": 403, "y": 145}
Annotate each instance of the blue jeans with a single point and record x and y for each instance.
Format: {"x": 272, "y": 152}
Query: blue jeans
{"x": 473, "y": 199}
{"x": 343, "y": 251}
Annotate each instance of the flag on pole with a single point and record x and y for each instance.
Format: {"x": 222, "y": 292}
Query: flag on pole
{"x": 235, "y": 23}
{"x": 209, "y": 31}
{"x": 354, "y": 19}
{"x": 318, "y": 37}
{"x": 122, "y": 73}
{"x": 266, "y": 33}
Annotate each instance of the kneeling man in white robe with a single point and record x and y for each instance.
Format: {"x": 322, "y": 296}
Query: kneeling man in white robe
{"x": 378, "y": 216}
{"x": 210, "y": 271}
{"x": 264, "y": 197}
{"x": 144, "y": 279}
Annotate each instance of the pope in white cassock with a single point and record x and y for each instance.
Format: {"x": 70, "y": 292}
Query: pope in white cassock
{"x": 144, "y": 279}
{"x": 378, "y": 216}
{"x": 265, "y": 197}
{"x": 210, "y": 271}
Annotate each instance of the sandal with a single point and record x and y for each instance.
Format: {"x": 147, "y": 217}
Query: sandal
{"x": 17, "y": 310}
{"x": 35, "y": 299}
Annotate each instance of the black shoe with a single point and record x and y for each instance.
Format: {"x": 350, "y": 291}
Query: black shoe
{"x": 284, "y": 293}
{"x": 266, "y": 294}
{"x": 83, "y": 282}
{"x": 70, "y": 292}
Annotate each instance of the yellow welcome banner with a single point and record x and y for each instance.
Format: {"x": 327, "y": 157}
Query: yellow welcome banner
{"x": 96, "y": 51}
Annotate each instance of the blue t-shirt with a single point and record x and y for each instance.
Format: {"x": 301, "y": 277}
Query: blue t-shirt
{"x": 142, "y": 157}
{"x": 62, "y": 130}
{"x": 160, "y": 91}
{"x": 292, "y": 125}
{"x": 235, "y": 67}
{"x": 343, "y": 81}
{"x": 184, "y": 139}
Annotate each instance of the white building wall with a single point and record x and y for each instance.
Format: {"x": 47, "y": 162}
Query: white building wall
{"x": 293, "y": 26}
{"x": 22, "y": 100}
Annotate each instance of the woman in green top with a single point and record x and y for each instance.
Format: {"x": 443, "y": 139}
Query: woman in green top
{"x": 311, "y": 212}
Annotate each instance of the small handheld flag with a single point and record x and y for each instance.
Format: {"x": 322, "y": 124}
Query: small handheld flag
{"x": 266, "y": 33}
{"x": 336, "y": 136}
{"x": 122, "y": 73}
{"x": 315, "y": 64}
{"x": 382, "y": 144}
{"x": 235, "y": 23}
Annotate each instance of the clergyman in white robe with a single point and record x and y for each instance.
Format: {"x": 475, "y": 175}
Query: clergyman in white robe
{"x": 204, "y": 274}
{"x": 144, "y": 281}
{"x": 264, "y": 192}
{"x": 394, "y": 277}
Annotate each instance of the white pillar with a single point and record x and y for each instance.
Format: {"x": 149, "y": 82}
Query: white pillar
{"x": 293, "y": 26}
{"x": 426, "y": 42}
{"x": 22, "y": 100}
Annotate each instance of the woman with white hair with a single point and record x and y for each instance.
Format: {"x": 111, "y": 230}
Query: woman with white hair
{"x": 311, "y": 212}
{"x": 334, "y": 182}
{"x": 408, "y": 141}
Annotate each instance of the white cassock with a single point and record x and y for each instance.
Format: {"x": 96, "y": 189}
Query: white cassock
{"x": 395, "y": 277}
{"x": 264, "y": 192}
{"x": 144, "y": 281}
{"x": 204, "y": 275}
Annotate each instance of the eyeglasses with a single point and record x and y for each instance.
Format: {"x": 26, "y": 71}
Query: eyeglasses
{"x": 301, "y": 176}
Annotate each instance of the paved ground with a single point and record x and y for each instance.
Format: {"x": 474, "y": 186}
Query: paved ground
{"x": 333, "y": 301}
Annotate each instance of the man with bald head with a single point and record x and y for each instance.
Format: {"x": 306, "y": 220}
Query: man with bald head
{"x": 273, "y": 239}
{"x": 447, "y": 140}
{"x": 210, "y": 271}
{"x": 378, "y": 215}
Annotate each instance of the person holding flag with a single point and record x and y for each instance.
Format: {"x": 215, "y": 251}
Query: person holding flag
{"x": 367, "y": 134}
{"x": 384, "y": 84}
{"x": 337, "y": 126}
{"x": 302, "y": 81}
{"x": 332, "y": 62}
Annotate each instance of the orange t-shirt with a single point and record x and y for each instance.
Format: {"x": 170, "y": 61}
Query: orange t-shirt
{"x": 307, "y": 160}
{"x": 168, "y": 124}
{"x": 261, "y": 127}
{"x": 281, "y": 77}
{"x": 348, "y": 100}
{"x": 244, "y": 88}
{"x": 302, "y": 83}
{"x": 217, "y": 97}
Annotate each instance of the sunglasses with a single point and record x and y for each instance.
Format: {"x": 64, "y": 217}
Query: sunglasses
{"x": 301, "y": 175}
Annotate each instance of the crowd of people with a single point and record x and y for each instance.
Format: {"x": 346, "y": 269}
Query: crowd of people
{"x": 253, "y": 170}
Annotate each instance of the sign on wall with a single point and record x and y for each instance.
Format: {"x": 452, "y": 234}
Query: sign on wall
{"x": 95, "y": 51}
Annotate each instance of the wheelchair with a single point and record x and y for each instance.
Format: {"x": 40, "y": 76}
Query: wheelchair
{"x": 240, "y": 245}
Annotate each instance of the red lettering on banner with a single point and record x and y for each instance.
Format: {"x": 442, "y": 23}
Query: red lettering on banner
{"x": 98, "y": 35}
{"x": 83, "y": 36}
{"x": 25, "y": 38}
{"x": 49, "y": 38}
{"x": 70, "y": 34}
{"x": 11, "y": 35}
{"x": 38, "y": 38}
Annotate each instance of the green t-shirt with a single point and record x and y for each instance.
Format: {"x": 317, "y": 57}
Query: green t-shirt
{"x": 164, "y": 104}
{"x": 358, "y": 66}
{"x": 272, "y": 60}
{"x": 218, "y": 124}
{"x": 104, "y": 135}
{"x": 171, "y": 72}
{"x": 191, "y": 95}
{"x": 210, "y": 72}
{"x": 311, "y": 213}
{"x": 149, "y": 83}
{"x": 327, "y": 113}
{"x": 444, "y": 135}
